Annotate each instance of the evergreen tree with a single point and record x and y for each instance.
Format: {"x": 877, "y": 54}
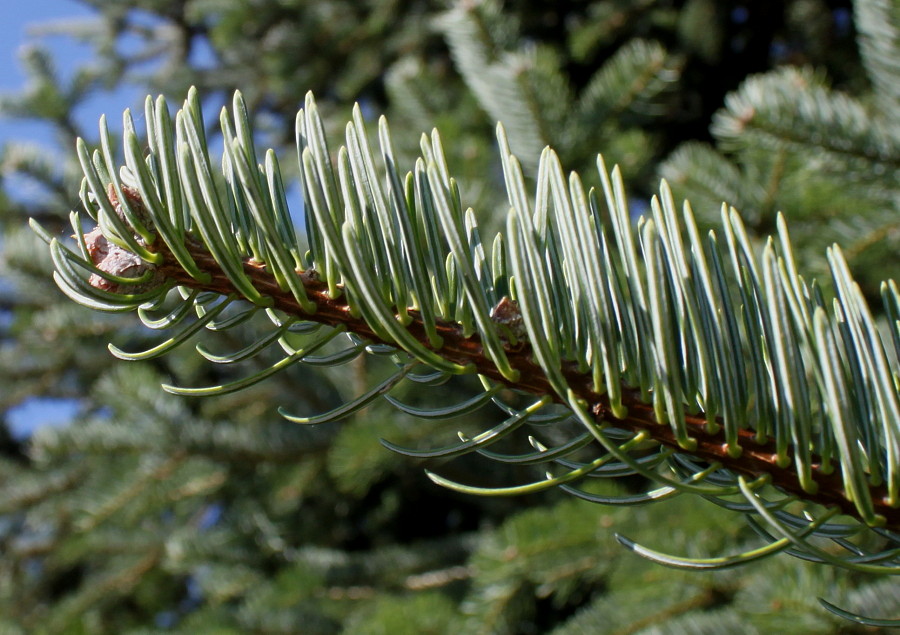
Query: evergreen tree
{"x": 156, "y": 512}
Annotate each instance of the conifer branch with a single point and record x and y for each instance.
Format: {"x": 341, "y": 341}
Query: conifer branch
{"x": 642, "y": 336}
{"x": 757, "y": 459}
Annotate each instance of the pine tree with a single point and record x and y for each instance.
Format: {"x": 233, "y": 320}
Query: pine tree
{"x": 157, "y": 512}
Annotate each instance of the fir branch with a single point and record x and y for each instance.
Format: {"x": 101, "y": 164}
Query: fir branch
{"x": 645, "y": 334}
{"x": 793, "y": 108}
{"x": 757, "y": 459}
{"x": 878, "y": 22}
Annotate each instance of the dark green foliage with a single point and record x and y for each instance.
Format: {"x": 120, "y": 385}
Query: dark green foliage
{"x": 154, "y": 513}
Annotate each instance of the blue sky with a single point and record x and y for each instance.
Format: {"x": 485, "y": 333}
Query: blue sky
{"x": 21, "y": 27}
{"x": 17, "y": 30}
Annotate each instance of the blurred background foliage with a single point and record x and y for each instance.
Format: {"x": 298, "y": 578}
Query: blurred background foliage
{"x": 151, "y": 513}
